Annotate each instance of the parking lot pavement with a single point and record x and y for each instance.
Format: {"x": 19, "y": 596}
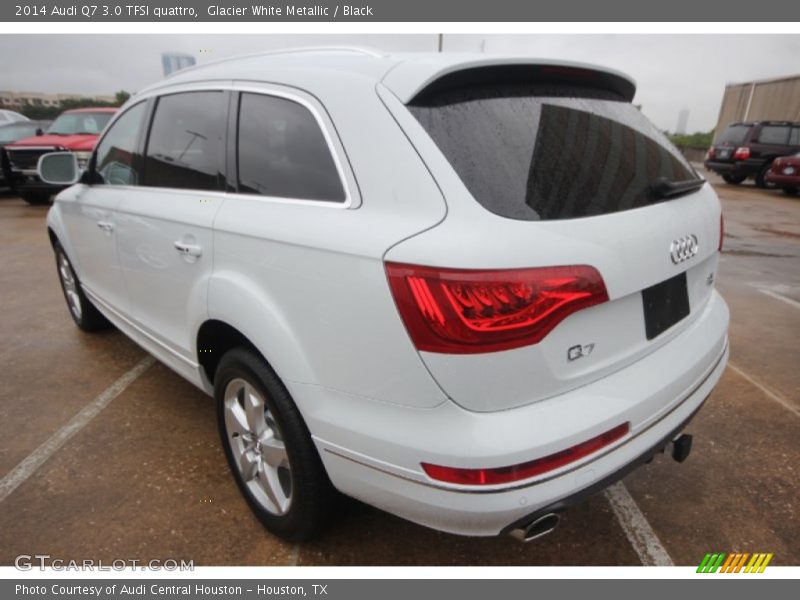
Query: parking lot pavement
{"x": 144, "y": 478}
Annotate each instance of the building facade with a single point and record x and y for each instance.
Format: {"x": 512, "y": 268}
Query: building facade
{"x": 767, "y": 99}
{"x": 175, "y": 61}
{"x": 16, "y": 100}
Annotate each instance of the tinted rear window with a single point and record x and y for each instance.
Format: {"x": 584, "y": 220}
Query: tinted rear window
{"x": 735, "y": 134}
{"x": 282, "y": 152}
{"x": 550, "y": 152}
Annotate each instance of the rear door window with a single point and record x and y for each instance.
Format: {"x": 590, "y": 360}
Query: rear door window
{"x": 774, "y": 134}
{"x": 534, "y": 152}
{"x": 186, "y": 146}
{"x": 282, "y": 151}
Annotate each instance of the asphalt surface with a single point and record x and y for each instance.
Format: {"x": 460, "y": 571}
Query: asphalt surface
{"x": 145, "y": 478}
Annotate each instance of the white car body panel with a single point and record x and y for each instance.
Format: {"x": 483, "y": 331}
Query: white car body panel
{"x": 167, "y": 290}
{"x": 305, "y": 283}
{"x": 88, "y": 214}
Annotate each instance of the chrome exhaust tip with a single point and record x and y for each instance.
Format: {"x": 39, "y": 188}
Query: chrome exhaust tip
{"x": 537, "y": 528}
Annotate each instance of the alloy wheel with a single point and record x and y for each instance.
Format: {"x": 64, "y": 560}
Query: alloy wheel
{"x": 70, "y": 286}
{"x": 257, "y": 446}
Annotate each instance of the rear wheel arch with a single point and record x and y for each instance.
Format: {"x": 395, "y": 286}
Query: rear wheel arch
{"x": 249, "y": 309}
{"x": 216, "y": 336}
{"x": 214, "y": 339}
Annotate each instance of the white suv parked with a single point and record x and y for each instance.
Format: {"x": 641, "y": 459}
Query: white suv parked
{"x": 467, "y": 290}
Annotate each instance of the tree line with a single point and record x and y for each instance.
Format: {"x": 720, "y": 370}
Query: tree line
{"x": 700, "y": 139}
{"x": 38, "y": 112}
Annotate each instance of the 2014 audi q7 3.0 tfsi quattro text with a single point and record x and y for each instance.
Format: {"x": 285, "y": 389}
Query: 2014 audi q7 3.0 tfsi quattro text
{"x": 469, "y": 291}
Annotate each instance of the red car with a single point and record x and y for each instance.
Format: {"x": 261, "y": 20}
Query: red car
{"x": 785, "y": 173}
{"x": 74, "y": 130}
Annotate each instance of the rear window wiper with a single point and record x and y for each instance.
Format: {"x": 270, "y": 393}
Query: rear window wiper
{"x": 664, "y": 188}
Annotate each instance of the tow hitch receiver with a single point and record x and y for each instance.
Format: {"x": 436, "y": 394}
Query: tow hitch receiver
{"x": 681, "y": 447}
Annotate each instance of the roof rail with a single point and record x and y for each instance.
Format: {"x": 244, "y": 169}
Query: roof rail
{"x": 362, "y": 50}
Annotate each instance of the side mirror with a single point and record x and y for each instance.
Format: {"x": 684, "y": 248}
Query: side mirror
{"x": 59, "y": 168}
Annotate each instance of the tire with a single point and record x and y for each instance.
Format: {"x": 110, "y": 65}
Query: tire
{"x": 279, "y": 472}
{"x": 761, "y": 180}
{"x": 82, "y": 311}
{"x": 36, "y": 198}
{"x": 790, "y": 191}
{"x": 733, "y": 180}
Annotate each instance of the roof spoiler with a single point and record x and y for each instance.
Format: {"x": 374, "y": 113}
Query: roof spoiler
{"x": 578, "y": 76}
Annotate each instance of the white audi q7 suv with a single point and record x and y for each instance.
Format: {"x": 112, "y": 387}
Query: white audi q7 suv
{"x": 465, "y": 289}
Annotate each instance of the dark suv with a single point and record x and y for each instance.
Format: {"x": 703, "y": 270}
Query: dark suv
{"x": 748, "y": 149}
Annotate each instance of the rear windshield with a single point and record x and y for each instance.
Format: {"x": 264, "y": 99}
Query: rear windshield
{"x": 735, "y": 134}
{"x": 533, "y": 152}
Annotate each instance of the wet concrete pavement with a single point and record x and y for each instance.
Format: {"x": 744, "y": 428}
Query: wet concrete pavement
{"x": 146, "y": 478}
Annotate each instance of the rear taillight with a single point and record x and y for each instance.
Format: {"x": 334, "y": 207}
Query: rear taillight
{"x": 529, "y": 469}
{"x": 712, "y": 152}
{"x": 721, "y": 231}
{"x": 742, "y": 153}
{"x": 459, "y": 311}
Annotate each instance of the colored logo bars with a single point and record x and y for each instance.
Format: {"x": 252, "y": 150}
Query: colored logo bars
{"x": 735, "y": 562}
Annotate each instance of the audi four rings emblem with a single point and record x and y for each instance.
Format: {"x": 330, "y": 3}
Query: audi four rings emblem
{"x": 684, "y": 248}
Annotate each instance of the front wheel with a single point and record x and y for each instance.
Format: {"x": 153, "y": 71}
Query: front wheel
{"x": 269, "y": 448}
{"x": 82, "y": 311}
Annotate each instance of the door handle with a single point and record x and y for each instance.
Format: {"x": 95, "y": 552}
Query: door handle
{"x": 189, "y": 249}
{"x": 106, "y": 226}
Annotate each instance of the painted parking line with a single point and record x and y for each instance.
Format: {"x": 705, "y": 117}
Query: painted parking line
{"x": 641, "y": 536}
{"x": 772, "y": 395}
{"x": 782, "y": 298}
{"x": 38, "y": 457}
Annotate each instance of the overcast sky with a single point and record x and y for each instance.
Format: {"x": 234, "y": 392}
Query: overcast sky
{"x": 672, "y": 71}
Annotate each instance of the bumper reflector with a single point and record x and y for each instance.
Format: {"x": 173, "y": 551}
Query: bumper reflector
{"x": 498, "y": 475}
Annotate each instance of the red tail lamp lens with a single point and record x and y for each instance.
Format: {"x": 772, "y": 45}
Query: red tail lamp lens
{"x": 712, "y": 153}
{"x": 742, "y": 153}
{"x": 528, "y": 469}
{"x": 459, "y": 311}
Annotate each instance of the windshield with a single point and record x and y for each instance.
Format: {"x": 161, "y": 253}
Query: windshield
{"x": 530, "y": 152}
{"x": 80, "y": 123}
{"x": 16, "y": 132}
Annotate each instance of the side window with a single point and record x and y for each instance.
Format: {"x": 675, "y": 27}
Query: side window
{"x": 773, "y": 134}
{"x": 187, "y": 142}
{"x": 794, "y": 139}
{"x": 282, "y": 152}
{"x": 117, "y": 162}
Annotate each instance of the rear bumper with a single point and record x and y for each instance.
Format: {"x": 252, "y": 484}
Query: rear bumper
{"x": 742, "y": 168}
{"x": 608, "y": 480}
{"x": 373, "y": 451}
